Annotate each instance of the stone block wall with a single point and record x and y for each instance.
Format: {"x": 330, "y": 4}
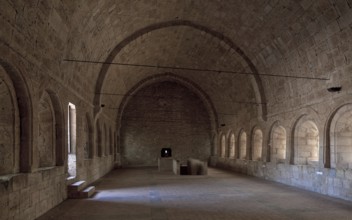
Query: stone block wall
{"x": 332, "y": 182}
{"x": 29, "y": 195}
{"x": 35, "y": 91}
{"x": 161, "y": 115}
{"x": 313, "y": 140}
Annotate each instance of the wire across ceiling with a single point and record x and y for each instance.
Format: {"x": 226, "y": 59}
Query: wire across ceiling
{"x": 193, "y": 69}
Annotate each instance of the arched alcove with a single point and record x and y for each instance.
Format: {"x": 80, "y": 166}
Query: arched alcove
{"x": 257, "y": 144}
{"x": 306, "y": 142}
{"x": 99, "y": 138}
{"x": 46, "y": 135}
{"x": 341, "y": 138}
{"x": 223, "y": 146}
{"x": 278, "y": 144}
{"x": 88, "y": 138}
{"x": 8, "y": 120}
{"x": 254, "y": 79}
{"x": 232, "y": 146}
{"x": 164, "y": 114}
{"x": 59, "y": 127}
{"x": 243, "y": 145}
{"x": 106, "y": 141}
{"x": 22, "y": 109}
{"x": 72, "y": 139}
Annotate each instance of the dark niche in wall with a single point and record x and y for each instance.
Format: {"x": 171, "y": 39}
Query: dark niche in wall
{"x": 166, "y": 152}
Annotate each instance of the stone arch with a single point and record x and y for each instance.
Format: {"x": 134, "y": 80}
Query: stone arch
{"x": 340, "y": 133}
{"x": 46, "y": 135}
{"x": 89, "y": 134}
{"x": 242, "y": 145}
{"x": 277, "y": 143}
{"x": 257, "y": 144}
{"x": 216, "y": 144}
{"x": 187, "y": 133}
{"x": 170, "y": 77}
{"x": 59, "y": 122}
{"x": 24, "y": 104}
{"x": 222, "y": 152}
{"x": 256, "y": 80}
{"x": 305, "y": 141}
{"x": 9, "y": 119}
{"x": 232, "y": 145}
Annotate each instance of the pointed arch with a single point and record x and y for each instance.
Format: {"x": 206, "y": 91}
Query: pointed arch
{"x": 256, "y": 80}
{"x": 257, "y": 144}
{"x": 340, "y": 138}
{"x": 24, "y": 103}
{"x": 232, "y": 145}
{"x": 242, "y": 142}
{"x": 305, "y": 147}
{"x": 277, "y": 143}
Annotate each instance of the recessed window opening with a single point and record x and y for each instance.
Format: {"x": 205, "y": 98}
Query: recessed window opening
{"x": 307, "y": 143}
{"x": 46, "y": 137}
{"x": 223, "y": 146}
{"x": 341, "y": 139}
{"x": 278, "y": 145}
{"x": 7, "y": 130}
{"x": 86, "y": 135}
{"x": 257, "y": 145}
{"x": 232, "y": 146}
{"x": 71, "y": 134}
{"x": 243, "y": 146}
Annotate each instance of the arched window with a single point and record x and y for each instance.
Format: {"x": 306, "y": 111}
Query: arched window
{"x": 232, "y": 146}
{"x": 223, "y": 145}
{"x": 106, "y": 141}
{"x": 46, "y": 138}
{"x": 306, "y": 143}
{"x": 278, "y": 144}
{"x": 341, "y": 138}
{"x": 72, "y": 139}
{"x": 243, "y": 145}
{"x": 257, "y": 145}
{"x": 8, "y": 132}
{"x": 15, "y": 138}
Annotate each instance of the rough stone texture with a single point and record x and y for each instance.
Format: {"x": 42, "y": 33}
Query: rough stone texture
{"x": 163, "y": 115}
{"x": 7, "y": 130}
{"x": 46, "y": 140}
{"x": 288, "y": 38}
{"x": 257, "y": 145}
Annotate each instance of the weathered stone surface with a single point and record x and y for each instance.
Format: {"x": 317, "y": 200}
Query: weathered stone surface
{"x": 264, "y": 65}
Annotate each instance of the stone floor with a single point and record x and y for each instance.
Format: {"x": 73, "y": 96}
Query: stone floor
{"x": 128, "y": 194}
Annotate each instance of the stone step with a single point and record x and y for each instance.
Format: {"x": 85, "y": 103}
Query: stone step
{"x": 73, "y": 190}
{"x": 70, "y": 180}
{"x": 87, "y": 192}
{"x": 76, "y": 187}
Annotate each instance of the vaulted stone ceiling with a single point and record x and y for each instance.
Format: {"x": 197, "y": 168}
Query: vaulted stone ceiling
{"x": 266, "y": 37}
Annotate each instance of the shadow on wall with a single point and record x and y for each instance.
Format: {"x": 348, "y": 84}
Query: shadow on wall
{"x": 164, "y": 114}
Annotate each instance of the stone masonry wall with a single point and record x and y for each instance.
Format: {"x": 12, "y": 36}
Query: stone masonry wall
{"x": 33, "y": 38}
{"x": 163, "y": 115}
{"x": 332, "y": 182}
